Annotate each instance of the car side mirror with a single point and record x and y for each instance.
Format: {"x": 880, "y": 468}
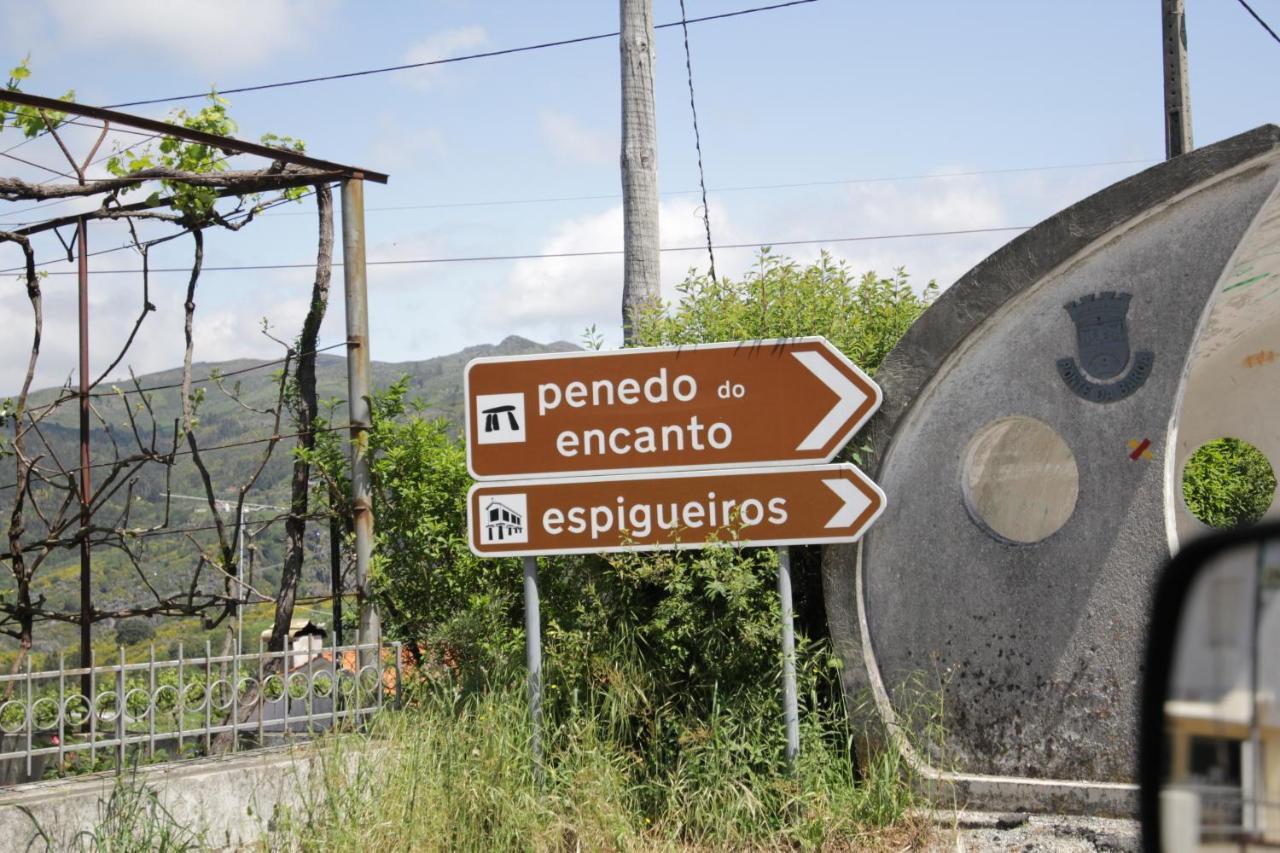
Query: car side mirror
{"x": 1209, "y": 745}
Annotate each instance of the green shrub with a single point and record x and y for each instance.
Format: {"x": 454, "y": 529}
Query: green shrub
{"x": 1228, "y": 482}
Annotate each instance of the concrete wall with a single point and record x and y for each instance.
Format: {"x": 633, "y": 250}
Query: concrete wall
{"x": 1234, "y": 370}
{"x": 232, "y": 799}
{"x": 1036, "y": 647}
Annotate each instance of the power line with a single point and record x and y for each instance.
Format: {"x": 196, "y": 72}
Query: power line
{"x": 1258, "y": 18}
{"x": 483, "y": 55}
{"x": 549, "y": 255}
{"x": 697, "y": 144}
{"x": 212, "y": 377}
{"x": 35, "y": 165}
{"x": 739, "y": 188}
{"x": 234, "y": 217}
{"x": 613, "y": 196}
{"x": 48, "y": 474}
{"x": 72, "y": 395}
{"x": 751, "y": 187}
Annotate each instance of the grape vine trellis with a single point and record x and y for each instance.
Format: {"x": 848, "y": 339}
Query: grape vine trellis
{"x": 178, "y": 178}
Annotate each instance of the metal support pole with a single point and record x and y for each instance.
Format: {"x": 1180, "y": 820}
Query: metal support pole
{"x": 86, "y": 581}
{"x": 1177, "y": 89}
{"x": 1253, "y": 773}
{"x": 533, "y": 657}
{"x": 790, "y": 713}
{"x": 240, "y": 585}
{"x": 355, "y": 288}
{"x": 335, "y": 574}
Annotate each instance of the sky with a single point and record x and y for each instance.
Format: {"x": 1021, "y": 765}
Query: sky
{"x": 880, "y": 119}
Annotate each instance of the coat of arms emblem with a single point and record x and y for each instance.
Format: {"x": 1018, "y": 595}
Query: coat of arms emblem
{"x": 1102, "y": 341}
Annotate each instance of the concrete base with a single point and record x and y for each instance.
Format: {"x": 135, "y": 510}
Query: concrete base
{"x": 231, "y": 799}
{"x": 1035, "y": 796}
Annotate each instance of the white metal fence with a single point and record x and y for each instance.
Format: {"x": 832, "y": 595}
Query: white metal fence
{"x": 157, "y": 710}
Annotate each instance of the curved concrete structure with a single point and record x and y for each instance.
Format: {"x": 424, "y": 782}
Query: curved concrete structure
{"x": 1084, "y": 327}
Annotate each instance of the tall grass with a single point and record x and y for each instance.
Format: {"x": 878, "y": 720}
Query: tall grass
{"x": 455, "y": 772}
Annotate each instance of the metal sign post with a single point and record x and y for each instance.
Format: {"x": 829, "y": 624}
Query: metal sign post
{"x": 790, "y": 711}
{"x": 533, "y": 658}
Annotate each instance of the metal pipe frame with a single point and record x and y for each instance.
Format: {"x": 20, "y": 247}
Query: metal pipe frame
{"x": 225, "y": 143}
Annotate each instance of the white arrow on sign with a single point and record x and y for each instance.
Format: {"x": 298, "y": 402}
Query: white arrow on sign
{"x": 850, "y": 398}
{"x": 854, "y": 502}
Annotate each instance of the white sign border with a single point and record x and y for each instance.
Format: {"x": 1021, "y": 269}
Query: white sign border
{"x": 711, "y": 466}
{"x": 839, "y": 467}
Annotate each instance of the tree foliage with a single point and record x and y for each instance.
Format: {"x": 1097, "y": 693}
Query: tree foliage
{"x": 196, "y": 203}
{"x": 28, "y": 120}
{"x": 862, "y": 315}
{"x": 1227, "y": 483}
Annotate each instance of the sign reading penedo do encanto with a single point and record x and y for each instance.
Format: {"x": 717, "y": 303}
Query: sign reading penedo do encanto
{"x": 646, "y": 449}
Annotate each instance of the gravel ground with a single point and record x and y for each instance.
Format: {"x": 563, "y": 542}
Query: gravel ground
{"x": 1009, "y": 832}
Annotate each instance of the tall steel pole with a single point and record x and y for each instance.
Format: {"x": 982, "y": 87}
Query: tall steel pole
{"x": 359, "y": 372}
{"x": 1177, "y": 87}
{"x": 240, "y": 585}
{"x": 86, "y": 581}
{"x": 640, "y": 265}
{"x": 533, "y": 660}
{"x": 790, "y": 708}
{"x": 335, "y": 570}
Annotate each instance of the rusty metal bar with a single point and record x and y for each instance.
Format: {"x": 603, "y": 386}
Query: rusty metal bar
{"x": 225, "y": 143}
{"x": 359, "y": 373}
{"x": 86, "y": 588}
{"x": 335, "y": 568}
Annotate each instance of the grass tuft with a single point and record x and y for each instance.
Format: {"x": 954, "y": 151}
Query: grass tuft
{"x": 455, "y": 772}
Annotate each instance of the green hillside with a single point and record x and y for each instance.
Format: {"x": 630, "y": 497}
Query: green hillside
{"x": 230, "y": 413}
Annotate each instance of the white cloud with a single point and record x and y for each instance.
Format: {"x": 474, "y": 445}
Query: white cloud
{"x": 557, "y": 298}
{"x": 225, "y": 328}
{"x": 397, "y": 148}
{"x": 212, "y": 36}
{"x": 441, "y": 45}
{"x": 573, "y": 141}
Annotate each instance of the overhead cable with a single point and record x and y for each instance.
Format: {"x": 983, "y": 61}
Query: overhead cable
{"x": 451, "y": 59}
{"x": 697, "y": 143}
{"x": 1258, "y": 18}
{"x": 548, "y": 255}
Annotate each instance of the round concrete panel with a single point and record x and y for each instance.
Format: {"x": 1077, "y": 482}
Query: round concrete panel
{"x": 1020, "y": 479}
{"x": 1035, "y": 647}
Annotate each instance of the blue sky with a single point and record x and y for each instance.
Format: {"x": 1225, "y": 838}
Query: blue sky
{"x": 831, "y": 91}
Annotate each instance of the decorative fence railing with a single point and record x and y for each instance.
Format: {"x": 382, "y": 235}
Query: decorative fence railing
{"x": 158, "y": 710}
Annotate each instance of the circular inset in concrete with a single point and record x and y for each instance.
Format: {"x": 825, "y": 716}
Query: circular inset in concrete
{"x": 1228, "y": 482}
{"x": 1019, "y": 479}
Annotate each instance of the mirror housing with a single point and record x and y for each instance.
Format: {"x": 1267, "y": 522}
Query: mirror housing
{"x": 1204, "y": 604}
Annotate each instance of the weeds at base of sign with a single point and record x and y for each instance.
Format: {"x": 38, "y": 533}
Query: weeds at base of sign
{"x": 454, "y": 769}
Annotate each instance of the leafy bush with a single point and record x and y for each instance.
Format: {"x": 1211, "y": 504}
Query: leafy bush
{"x": 862, "y": 315}
{"x": 1228, "y": 482}
{"x": 131, "y": 631}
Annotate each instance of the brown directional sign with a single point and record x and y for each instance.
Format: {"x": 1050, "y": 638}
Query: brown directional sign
{"x": 711, "y": 406}
{"x": 663, "y": 511}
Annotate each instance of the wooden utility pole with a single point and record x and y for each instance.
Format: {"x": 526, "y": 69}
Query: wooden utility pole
{"x": 1177, "y": 90}
{"x": 639, "y": 163}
